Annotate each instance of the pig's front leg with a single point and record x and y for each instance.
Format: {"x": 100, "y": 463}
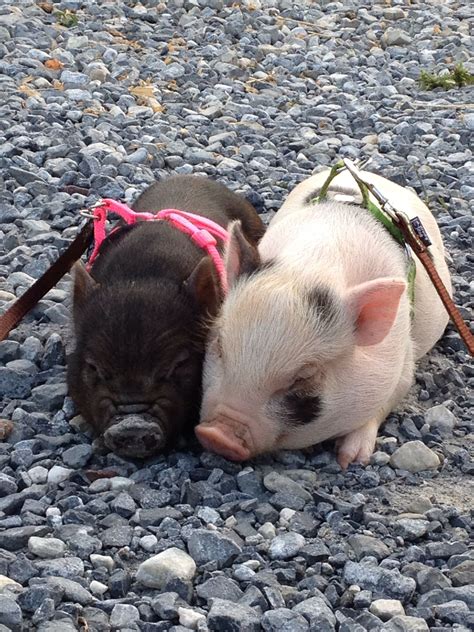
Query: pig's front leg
{"x": 358, "y": 445}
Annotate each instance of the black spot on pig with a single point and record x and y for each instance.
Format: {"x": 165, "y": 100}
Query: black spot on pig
{"x": 300, "y": 408}
{"x": 323, "y": 302}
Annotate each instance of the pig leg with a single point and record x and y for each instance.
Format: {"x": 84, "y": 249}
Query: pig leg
{"x": 358, "y": 445}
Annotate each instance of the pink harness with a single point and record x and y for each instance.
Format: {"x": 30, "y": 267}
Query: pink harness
{"x": 201, "y": 230}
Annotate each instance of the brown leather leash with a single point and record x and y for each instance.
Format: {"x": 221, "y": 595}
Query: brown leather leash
{"x": 417, "y": 238}
{"x": 48, "y": 280}
{"x": 419, "y": 247}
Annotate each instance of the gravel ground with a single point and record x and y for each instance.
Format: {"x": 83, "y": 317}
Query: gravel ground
{"x": 256, "y": 94}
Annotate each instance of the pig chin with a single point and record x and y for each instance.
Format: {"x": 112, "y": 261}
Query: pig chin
{"x": 135, "y": 435}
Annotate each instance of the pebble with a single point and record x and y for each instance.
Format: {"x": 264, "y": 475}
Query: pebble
{"x": 382, "y": 582}
{"x": 46, "y": 547}
{"x": 386, "y": 609}
{"x": 440, "y": 418}
{"x": 286, "y": 546}
{"x": 405, "y": 623}
{"x": 123, "y": 616}
{"x": 226, "y": 615}
{"x": 414, "y": 456}
{"x": 58, "y": 474}
{"x": 205, "y": 546}
{"x": 161, "y": 569}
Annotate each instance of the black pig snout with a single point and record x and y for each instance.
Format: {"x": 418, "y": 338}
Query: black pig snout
{"x": 135, "y": 435}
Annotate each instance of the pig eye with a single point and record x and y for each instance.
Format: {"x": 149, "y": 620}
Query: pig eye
{"x": 180, "y": 362}
{"x": 298, "y": 384}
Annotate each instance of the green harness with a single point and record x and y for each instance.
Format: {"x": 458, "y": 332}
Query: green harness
{"x": 379, "y": 215}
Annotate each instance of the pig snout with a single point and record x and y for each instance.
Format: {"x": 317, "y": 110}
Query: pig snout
{"x": 226, "y": 436}
{"x": 135, "y": 436}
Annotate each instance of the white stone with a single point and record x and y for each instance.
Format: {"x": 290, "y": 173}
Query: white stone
{"x": 102, "y": 560}
{"x": 385, "y": 609}
{"x": 38, "y": 474}
{"x": 119, "y": 483}
{"x": 414, "y": 456}
{"x": 439, "y": 417}
{"x": 190, "y": 618}
{"x": 46, "y": 547}
{"x": 286, "y": 514}
{"x": 267, "y": 530}
{"x": 58, "y": 474}
{"x": 148, "y": 542}
{"x": 98, "y": 588}
{"x": 173, "y": 563}
{"x": 6, "y": 582}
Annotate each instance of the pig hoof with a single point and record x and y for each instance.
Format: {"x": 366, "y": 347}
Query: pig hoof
{"x": 357, "y": 446}
{"x": 135, "y": 438}
{"x": 214, "y": 439}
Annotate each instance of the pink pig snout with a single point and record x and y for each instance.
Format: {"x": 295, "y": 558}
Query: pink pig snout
{"x": 226, "y": 436}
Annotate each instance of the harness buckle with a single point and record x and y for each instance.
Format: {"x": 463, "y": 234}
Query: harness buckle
{"x": 203, "y": 238}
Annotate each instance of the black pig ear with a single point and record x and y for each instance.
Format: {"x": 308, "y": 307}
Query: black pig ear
{"x": 203, "y": 284}
{"x": 240, "y": 256}
{"x": 84, "y": 284}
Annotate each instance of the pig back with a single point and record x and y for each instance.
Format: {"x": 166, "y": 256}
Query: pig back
{"x": 430, "y": 318}
{"x": 202, "y": 196}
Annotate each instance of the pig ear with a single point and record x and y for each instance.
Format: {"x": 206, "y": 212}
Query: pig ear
{"x": 84, "y": 284}
{"x": 204, "y": 286}
{"x": 240, "y": 256}
{"x": 374, "y": 307}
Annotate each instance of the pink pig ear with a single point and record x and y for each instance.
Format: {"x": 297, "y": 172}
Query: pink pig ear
{"x": 374, "y": 305}
{"x": 240, "y": 256}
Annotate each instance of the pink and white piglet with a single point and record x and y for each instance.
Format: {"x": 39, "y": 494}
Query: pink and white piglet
{"x": 315, "y": 339}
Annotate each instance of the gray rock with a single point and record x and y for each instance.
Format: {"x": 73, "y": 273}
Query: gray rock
{"x": 78, "y": 456}
{"x": 282, "y": 619}
{"x": 116, "y": 536}
{"x": 384, "y": 583}
{"x": 49, "y": 396}
{"x": 365, "y": 545}
{"x": 317, "y": 612}
{"x": 10, "y": 614}
{"x": 276, "y": 482}
{"x": 68, "y": 567}
{"x": 14, "y": 384}
{"x": 411, "y": 529}
{"x": 72, "y": 590}
{"x": 395, "y": 37}
{"x": 414, "y": 456}
{"x": 440, "y": 418}
{"x": 124, "y": 616}
{"x": 286, "y": 546}
{"x": 462, "y": 574}
{"x": 219, "y": 587}
{"x": 406, "y": 624}
{"x": 386, "y": 609}
{"x": 232, "y": 617}
{"x": 205, "y": 546}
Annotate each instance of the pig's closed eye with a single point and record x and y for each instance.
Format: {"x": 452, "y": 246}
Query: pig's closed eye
{"x": 180, "y": 364}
